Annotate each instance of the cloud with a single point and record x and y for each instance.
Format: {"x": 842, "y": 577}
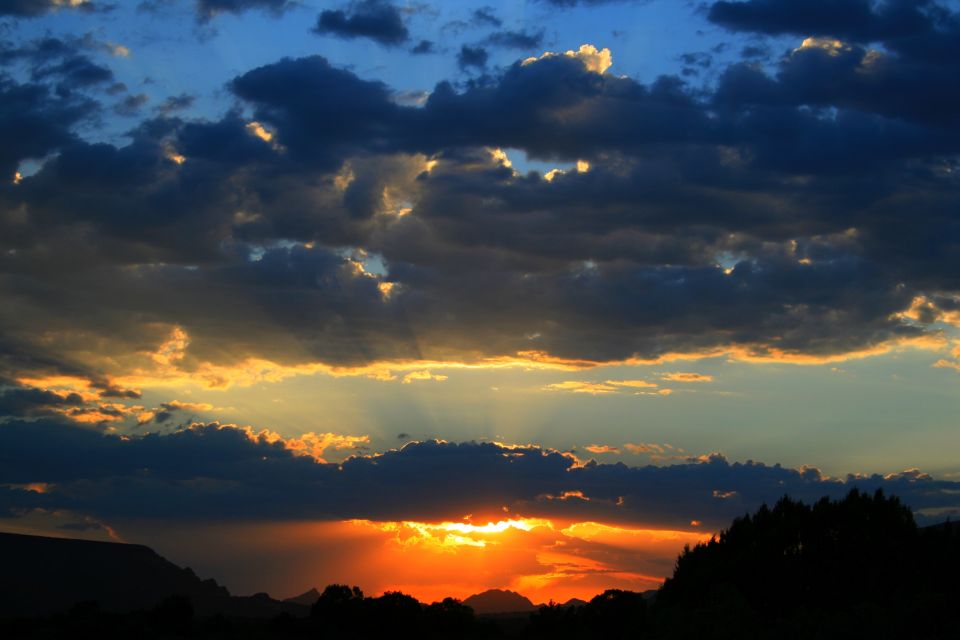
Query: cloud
{"x": 415, "y": 376}
{"x": 176, "y": 103}
{"x": 652, "y": 448}
{"x": 486, "y": 16}
{"x": 515, "y": 39}
{"x": 588, "y": 3}
{"x": 475, "y": 57}
{"x": 602, "y": 449}
{"x": 593, "y": 59}
{"x": 25, "y": 401}
{"x": 575, "y": 386}
{"x": 130, "y": 106}
{"x": 233, "y": 473}
{"x": 378, "y": 20}
{"x": 34, "y": 8}
{"x": 603, "y": 388}
{"x": 207, "y": 9}
{"x": 423, "y": 47}
{"x": 686, "y": 376}
{"x": 859, "y": 20}
{"x": 761, "y": 222}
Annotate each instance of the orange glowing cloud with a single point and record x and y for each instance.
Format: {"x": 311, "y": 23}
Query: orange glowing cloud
{"x": 541, "y": 558}
{"x": 599, "y": 388}
{"x": 309, "y": 444}
{"x": 685, "y": 376}
{"x": 423, "y": 376}
{"x": 601, "y": 449}
{"x": 172, "y": 364}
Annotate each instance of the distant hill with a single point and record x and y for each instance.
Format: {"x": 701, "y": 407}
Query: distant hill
{"x": 307, "y": 599}
{"x": 40, "y": 575}
{"x": 499, "y": 601}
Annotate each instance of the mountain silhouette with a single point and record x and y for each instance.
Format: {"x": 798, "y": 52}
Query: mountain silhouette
{"x": 43, "y": 575}
{"x": 574, "y": 602}
{"x": 499, "y": 601}
{"x": 307, "y": 598}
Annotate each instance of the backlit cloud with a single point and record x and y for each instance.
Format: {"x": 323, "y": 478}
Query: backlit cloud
{"x": 222, "y": 471}
{"x": 478, "y": 262}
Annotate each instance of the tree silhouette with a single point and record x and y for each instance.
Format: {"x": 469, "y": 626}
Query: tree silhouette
{"x": 612, "y": 614}
{"x": 793, "y": 570}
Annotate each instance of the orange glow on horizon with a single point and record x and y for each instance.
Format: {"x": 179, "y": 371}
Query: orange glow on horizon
{"x": 540, "y": 558}
{"x": 450, "y": 535}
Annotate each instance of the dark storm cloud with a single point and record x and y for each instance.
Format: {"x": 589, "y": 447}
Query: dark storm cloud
{"x": 378, "y": 20}
{"x": 208, "y": 471}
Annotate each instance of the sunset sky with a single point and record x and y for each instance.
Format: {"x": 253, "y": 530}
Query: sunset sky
{"x": 445, "y": 296}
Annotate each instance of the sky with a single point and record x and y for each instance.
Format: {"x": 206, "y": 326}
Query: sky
{"x": 442, "y": 297}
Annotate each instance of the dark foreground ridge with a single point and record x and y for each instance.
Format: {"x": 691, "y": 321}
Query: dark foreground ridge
{"x": 853, "y": 568}
{"x": 499, "y": 601}
{"x": 43, "y": 575}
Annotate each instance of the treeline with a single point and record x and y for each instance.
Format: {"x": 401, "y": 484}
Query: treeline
{"x": 854, "y": 568}
{"x": 848, "y": 569}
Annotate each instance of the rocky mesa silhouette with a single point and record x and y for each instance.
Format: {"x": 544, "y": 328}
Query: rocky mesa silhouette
{"x": 499, "y": 601}
{"x": 42, "y": 575}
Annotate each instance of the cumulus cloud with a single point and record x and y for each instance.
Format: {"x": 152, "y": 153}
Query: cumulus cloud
{"x": 762, "y": 221}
